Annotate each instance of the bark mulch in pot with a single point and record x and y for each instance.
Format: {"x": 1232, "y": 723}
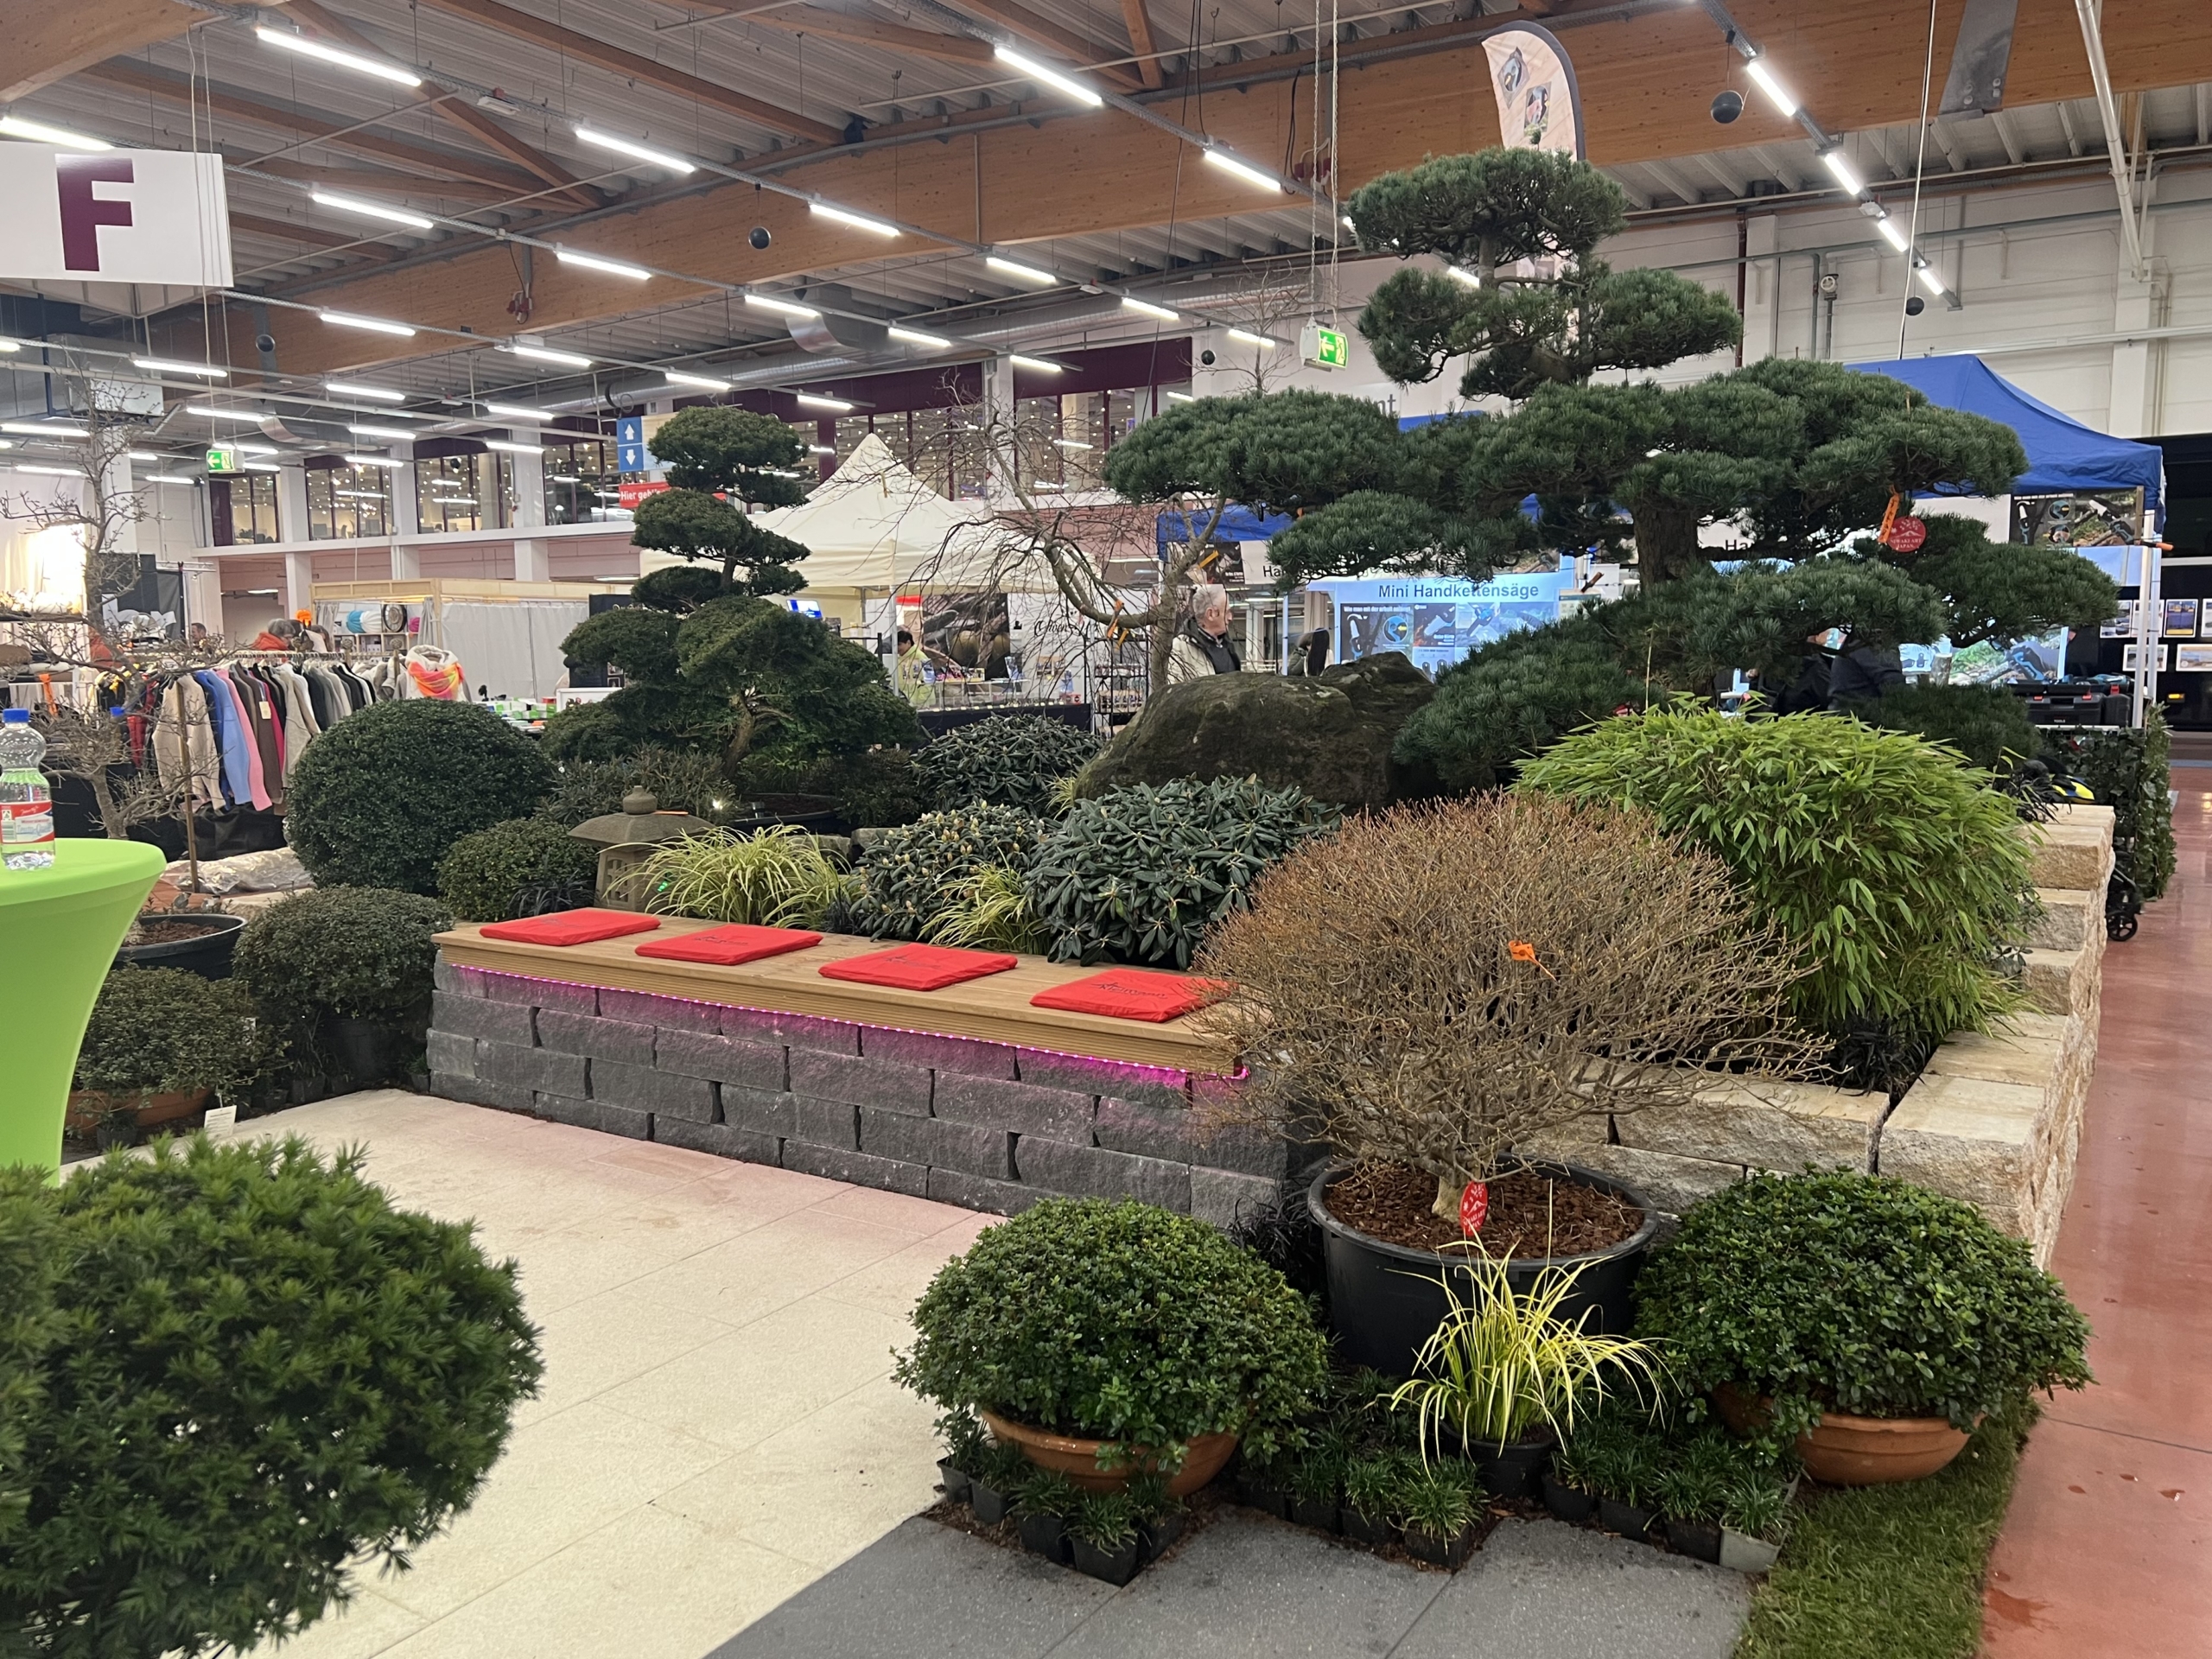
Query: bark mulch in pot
{"x": 1530, "y": 1214}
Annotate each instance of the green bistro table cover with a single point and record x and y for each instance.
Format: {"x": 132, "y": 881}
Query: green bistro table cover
{"x": 58, "y": 930}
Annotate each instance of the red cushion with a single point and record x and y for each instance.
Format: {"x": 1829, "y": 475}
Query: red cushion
{"x": 728, "y": 946}
{"x": 918, "y": 967}
{"x": 1132, "y": 994}
{"x": 572, "y": 927}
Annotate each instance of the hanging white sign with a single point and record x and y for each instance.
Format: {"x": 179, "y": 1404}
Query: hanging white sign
{"x": 156, "y": 217}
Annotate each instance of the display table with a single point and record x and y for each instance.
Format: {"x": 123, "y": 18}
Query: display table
{"x": 61, "y": 924}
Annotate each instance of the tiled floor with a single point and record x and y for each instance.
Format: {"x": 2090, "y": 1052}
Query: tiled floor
{"x": 717, "y": 1426}
{"x": 2106, "y": 1547}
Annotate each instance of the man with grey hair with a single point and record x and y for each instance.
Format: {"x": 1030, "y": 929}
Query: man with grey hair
{"x": 1202, "y": 644}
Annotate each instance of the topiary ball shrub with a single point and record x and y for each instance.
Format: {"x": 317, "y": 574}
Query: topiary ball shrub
{"x": 513, "y": 868}
{"x": 378, "y": 800}
{"x": 1118, "y": 1322}
{"x": 154, "y": 1030}
{"x": 251, "y": 1375}
{"x": 1137, "y": 874}
{"x": 357, "y": 953}
{"x": 1985, "y": 723}
{"x": 1899, "y": 875}
{"x": 1007, "y": 760}
{"x": 917, "y": 873}
{"x": 1860, "y": 1291}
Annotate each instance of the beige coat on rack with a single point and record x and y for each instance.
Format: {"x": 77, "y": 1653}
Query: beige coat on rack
{"x": 197, "y": 735}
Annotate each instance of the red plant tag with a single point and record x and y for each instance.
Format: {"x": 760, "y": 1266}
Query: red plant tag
{"x": 1907, "y": 533}
{"x": 1474, "y": 1205}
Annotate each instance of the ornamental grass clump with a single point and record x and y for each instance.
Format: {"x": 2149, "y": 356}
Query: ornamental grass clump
{"x": 1440, "y": 985}
{"x": 1860, "y": 1292}
{"x": 777, "y": 877}
{"x": 1122, "y": 1323}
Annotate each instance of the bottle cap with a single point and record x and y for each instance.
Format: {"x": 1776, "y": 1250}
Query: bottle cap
{"x": 16, "y": 716}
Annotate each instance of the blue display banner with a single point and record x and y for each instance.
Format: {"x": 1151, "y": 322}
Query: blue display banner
{"x": 1437, "y": 620}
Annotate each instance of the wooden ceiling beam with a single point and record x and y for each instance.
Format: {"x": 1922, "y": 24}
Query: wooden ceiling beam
{"x": 398, "y": 186}
{"x": 1143, "y": 43}
{"x": 47, "y": 42}
{"x": 522, "y": 25}
{"x": 865, "y": 31}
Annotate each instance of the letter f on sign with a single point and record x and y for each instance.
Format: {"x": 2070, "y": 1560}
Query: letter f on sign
{"x": 82, "y": 213}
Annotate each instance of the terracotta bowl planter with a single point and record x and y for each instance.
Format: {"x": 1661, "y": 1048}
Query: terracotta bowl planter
{"x": 88, "y": 1106}
{"x": 1078, "y": 1459}
{"x": 1846, "y": 1451}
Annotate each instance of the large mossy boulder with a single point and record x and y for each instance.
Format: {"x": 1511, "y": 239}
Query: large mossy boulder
{"x": 1329, "y": 736}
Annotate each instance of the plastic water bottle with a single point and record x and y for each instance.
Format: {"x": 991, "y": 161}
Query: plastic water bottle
{"x": 26, "y": 804}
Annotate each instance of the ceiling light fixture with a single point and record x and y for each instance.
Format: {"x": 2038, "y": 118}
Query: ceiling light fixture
{"x": 1892, "y": 235}
{"x": 1032, "y": 70}
{"x": 917, "y": 337}
{"x": 1929, "y": 279}
{"x": 372, "y": 460}
{"x": 307, "y": 47}
{"x": 254, "y": 448}
{"x": 845, "y": 216}
{"x": 50, "y": 472}
{"x": 612, "y": 267}
{"x": 374, "y": 325}
{"x": 162, "y": 365}
{"x": 1181, "y": 398}
{"x": 361, "y": 388}
{"x": 43, "y": 429}
{"x": 820, "y": 449}
{"x": 1041, "y": 366}
{"x": 1016, "y": 269}
{"x": 1461, "y": 274}
{"x": 143, "y": 454}
{"x": 518, "y": 411}
{"x": 781, "y": 308}
{"x": 1146, "y": 308}
{"x": 369, "y": 209}
{"x": 38, "y": 133}
{"x": 816, "y": 400}
{"x": 633, "y": 149}
{"x": 1835, "y": 161}
{"x": 258, "y": 466}
{"x": 1244, "y": 170}
{"x": 1246, "y": 337}
{"x": 507, "y": 446}
{"x": 547, "y": 354}
{"x": 679, "y": 378}
{"x": 1776, "y": 93}
{"x": 405, "y": 434}
{"x": 168, "y": 478}
{"x": 1073, "y": 443}
{"x": 9, "y": 346}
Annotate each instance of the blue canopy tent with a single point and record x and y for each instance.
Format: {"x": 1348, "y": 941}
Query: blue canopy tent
{"x": 2062, "y": 454}
{"x": 1237, "y": 524}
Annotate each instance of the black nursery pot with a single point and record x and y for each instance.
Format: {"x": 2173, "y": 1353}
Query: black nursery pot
{"x": 1518, "y": 1468}
{"x": 1317, "y": 1512}
{"x": 1157, "y": 1534}
{"x": 1385, "y": 1301}
{"x": 989, "y": 1504}
{"x": 208, "y": 954}
{"x": 953, "y": 1478}
{"x": 1451, "y": 1552}
{"x": 1697, "y": 1538}
{"x": 1570, "y": 1503}
{"x": 1258, "y": 1495}
{"x": 1373, "y": 1532}
{"x": 1045, "y": 1535}
{"x": 1625, "y": 1519}
{"x": 1117, "y": 1567}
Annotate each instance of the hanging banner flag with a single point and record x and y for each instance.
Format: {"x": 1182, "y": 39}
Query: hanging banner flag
{"x": 1538, "y": 104}
{"x": 153, "y": 218}
{"x": 1979, "y": 59}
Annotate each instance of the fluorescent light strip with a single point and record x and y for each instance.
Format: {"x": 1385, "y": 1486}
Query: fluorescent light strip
{"x": 1461, "y": 274}
{"x": 254, "y": 448}
{"x": 1248, "y": 337}
{"x": 143, "y": 454}
{"x": 372, "y": 461}
{"x": 214, "y": 413}
{"x": 1032, "y": 70}
{"x": 358, "y": 495}
{"x": 845, "y": 216}
{"x": 163, "y": 365}
{"x": 314, "y": 48}
{"x": 374, "y": 325}
{"x": 43, "y": 429}
{"x": 1071, "y": 443}
{"x": 782, "y": 307}
{"x": 679, "y": 378}
{"x": 1181, "y": 398}
{"x": 1833, "y": 159}
{"x": 816, "y": 400}
{"x": 632, "y": 147}
{"x": 1776, "y": 93}
{"x": 258, "y": 466}
{"x": 51, "y": 472}
{"x": 1147, "y": 309}
{"x": 1039, "y": 363}
{"x": 518, "y": 411}
{"x": 1929, "y": 279}
{"x": 547, "y": 354}
{"x": 345, "y": 204}
{"x": 1016, "y": 269}
{"x": 405, "y": 434}
{"x": 10, "y": 346}
{"x": 820, "y": 449}
{"x": 566, "y": 478}
{"x": 1892, "y": 235}
{"x": 1245, "y": 170}
{"x": 612, "y": 267}
{"x": 359, "y": 389}
{"x": 915, "y": 337}
{"x": 38, "y": 133}
{"x": 168, "y": 478}
{"x": 510, "y": 446}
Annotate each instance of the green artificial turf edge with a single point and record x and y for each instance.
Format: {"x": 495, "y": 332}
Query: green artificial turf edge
{"x": 1893, "y": 1571}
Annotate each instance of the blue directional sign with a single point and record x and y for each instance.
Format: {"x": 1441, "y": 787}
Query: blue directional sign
{"x": 631, "y": 455}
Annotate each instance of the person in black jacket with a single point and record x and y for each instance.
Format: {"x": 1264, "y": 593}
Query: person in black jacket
{"x": 1862, "y": 673}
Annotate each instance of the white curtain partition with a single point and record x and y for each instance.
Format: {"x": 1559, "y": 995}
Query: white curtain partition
{"x": 511, "y": 646}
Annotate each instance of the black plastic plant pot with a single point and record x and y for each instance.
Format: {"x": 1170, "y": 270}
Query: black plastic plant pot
{"x": 989, "y": 1504}
{"x": 1384, "y": 1301}
{"x": 1517, "y": 1469}
{"x": 365, "y": 1051}
{"x": 1437, "y": 1551}
{"x": 1118, "y": 1566}
{"x": 1044, "y": 1534}
{"x": 1697, "y": 1538}
{"x": 1157, "y": 1534}
{"x": 207, "y": 955}
{"x": 1258, "y": 1495}
{"x": 1373, "y": 1531}
{"x": 1319, "y": 1513}
{"x": 953, "y": 1477}
{"x": 1570, "y": 1503}
{"x": 1625, "y": 1519}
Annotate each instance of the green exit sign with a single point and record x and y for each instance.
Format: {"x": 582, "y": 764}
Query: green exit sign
{"x": 1325, "y": 348}
{"x": 222, "y": 458}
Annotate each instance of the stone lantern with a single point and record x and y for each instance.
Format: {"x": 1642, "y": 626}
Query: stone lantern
{"x": 626, "y": 839}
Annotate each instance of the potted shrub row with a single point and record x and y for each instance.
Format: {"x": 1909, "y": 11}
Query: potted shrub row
{"x": 1110, "y": 1535}
{"x": 162, "y": 1044}
{"x": 1698, "y": 1489}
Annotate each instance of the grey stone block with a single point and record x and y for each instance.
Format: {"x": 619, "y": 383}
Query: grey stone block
{"x": 1186, "y": 1137}
{"x": 603, "y": 1040}
{"x": 964, "y": 1054}
{"x": 893, "y": 1086}
{"x": 833, "y": 1123}
{"x": 933, "y": 1141}
{"x": 642, "y": 1089}
{"x": 723, "y": 1140}
{"x": 1148, "y": 1085}
{"x": 759, "y": 1111}
{"x": 476, "y": 1016}
{"x": 726, "y": 1059}
{"x": 1219, "y": 1195}
{"x": 980, "y": 1192}
{"x": 1026, "y": 1107}
{"x": 858, "y": 1168}
{"x": 603, "y": 1116}
{"x": 793, "y": 1030}
{"x": 502, "y": 1096}
{"x": 539, "y": 1068}
{"x": 542, "y": 993}
{"x": 456, "y": 981}
{"x": 452, "y": 1053}
{"x": 1096, "y": 1173}
{"x": 676, "y": 1012}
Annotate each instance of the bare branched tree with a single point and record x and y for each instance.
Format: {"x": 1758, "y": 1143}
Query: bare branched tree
{"x": 97, "y": 513}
